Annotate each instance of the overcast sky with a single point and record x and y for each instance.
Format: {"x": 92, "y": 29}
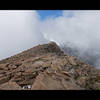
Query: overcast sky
{"x": 21, "y": 30}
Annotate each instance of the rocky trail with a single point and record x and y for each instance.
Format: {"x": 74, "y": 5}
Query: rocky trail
{"x": 46, "y": 67}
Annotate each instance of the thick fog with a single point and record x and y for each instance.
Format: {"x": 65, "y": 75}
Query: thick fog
{"x": 76, "y": 31}
{"x": 19, "y": 30}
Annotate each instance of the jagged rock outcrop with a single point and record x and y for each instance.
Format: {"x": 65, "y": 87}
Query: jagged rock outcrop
{"x": 46, "y": 67}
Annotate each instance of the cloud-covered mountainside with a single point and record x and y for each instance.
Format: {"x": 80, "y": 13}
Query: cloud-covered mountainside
{"x": 20, "y": 30}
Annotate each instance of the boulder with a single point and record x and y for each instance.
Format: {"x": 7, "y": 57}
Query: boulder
{"x": 10, "y": 86}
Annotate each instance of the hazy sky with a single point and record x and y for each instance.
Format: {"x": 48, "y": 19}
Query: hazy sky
{"x": 20, "y": 30}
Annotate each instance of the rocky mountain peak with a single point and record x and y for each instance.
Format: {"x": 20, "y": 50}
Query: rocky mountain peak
{"x": 46, "y": 67}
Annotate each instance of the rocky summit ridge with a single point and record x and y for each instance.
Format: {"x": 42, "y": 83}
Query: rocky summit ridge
{"x": 47, "y": 67}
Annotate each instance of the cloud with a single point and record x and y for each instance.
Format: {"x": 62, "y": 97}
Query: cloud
{"x": 79, "y": 28}
{"x": 19, "y": 30}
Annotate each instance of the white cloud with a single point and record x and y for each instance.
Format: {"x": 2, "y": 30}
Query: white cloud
{"x": 81, "y": 28}
{"x": 19, "y": 30}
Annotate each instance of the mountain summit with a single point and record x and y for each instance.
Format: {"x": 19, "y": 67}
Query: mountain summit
{"x": 47, "y": 67}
